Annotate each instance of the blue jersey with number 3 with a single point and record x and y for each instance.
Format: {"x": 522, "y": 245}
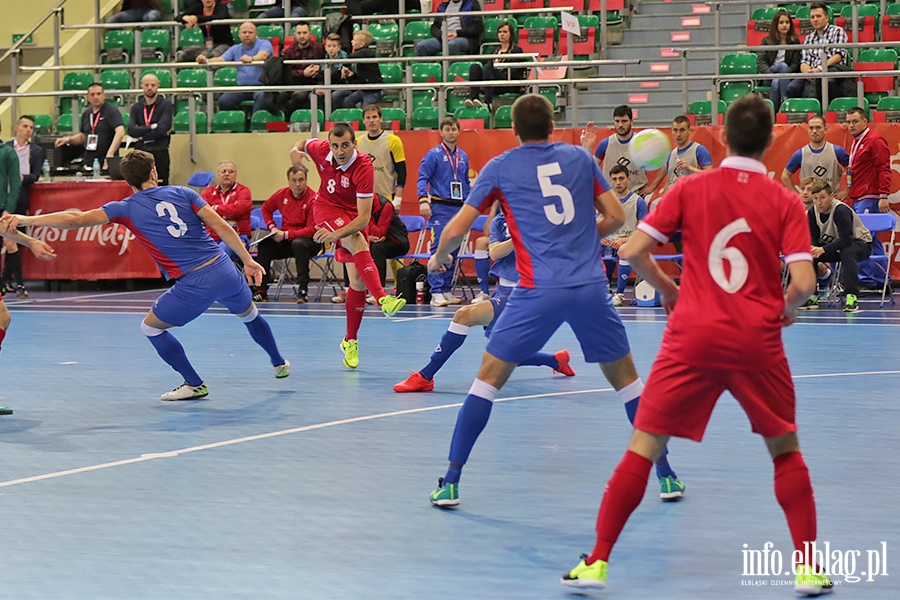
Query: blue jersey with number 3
{"x": 165, "y": 221}
{"x": 547, "y": 193}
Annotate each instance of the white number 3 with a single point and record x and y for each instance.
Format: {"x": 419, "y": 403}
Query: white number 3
{"x": 549, "y": 189}
{"x": 178, "y": 227}
{"x": 719, "y": 253}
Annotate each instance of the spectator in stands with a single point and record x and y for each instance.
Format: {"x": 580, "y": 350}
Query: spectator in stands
{"x": 635, "y": 208}
{"x": 490, "y": 71}
{"x": 251, "y": 49}
{"x": 332, "y": 52}
{"x": 31, "y": 160}
{"x": 299, "y": 8}
{"x": 101, "y": 130}
{"x": 388, "y": 237}
{"x": 463, "y": 32}
{"x": 232, "y": 201}
{"x": 388, "y": 158}
{"x": 819, "y": 158}
{"x": 371, "y": 7}
{"x": 443, "y": 187}
{"x": 218, "y": 38}
{"x": 869, "y": 175}
{"x": 137, "y": 11}
{"x": 294, "y": 237}
{"x": 838, "y": 235}
{"x": 781, "y": 33}
{"x": 304, "y": 74}
{"x": 151, "y": 125}
{"x": 359, "y": 73}
{"x": 835, "y": 55}
{"x": 688, "y": 157}
{"x": 614, "y": 149}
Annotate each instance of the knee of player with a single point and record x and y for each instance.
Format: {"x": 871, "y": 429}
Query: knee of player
{"x": 474, "y": 314}
{"x": 5, "y": 318}
{"x": 481, "y": 243}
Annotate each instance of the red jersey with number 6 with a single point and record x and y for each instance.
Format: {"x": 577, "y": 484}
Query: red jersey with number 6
{"x": 736, "y": 225}
{"x": 341, "y": 185}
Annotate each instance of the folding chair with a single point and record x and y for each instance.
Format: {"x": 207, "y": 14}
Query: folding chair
{"x": 466, "y": 253}
{"x": 875, "y": 223}
{"x": 416, "y": 224}
{"x": 325, "y": 262}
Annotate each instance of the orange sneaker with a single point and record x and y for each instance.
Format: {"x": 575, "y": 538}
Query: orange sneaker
{"x": 414, "y": 383}
{"x": 564, "y": 369}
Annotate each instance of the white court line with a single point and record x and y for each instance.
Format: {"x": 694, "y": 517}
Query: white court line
{"x": 362, "y": 419}
{"x": 73, "y": 298}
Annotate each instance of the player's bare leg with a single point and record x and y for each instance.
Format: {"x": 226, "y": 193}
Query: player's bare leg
{"x": 623, "y": 376}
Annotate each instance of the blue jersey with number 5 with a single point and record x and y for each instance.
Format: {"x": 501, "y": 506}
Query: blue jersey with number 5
{"x": 165, "y": 221}
{"x": 547, "y": 194}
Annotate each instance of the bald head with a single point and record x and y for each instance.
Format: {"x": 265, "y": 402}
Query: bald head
{"x": 247, "y": 33}
{"x": 150, "y": 85}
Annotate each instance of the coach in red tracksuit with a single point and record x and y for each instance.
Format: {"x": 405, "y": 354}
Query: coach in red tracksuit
{"x": 869, "y": 176}
{"x": 232, "y": 201}
{"x": 294, "y": 237}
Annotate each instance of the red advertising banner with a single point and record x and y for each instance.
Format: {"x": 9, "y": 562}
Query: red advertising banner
{"x": 101, "y": 252}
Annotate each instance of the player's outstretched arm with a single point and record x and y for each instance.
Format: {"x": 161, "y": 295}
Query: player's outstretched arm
{"x": 637, "y": 252}
{"x": 41, "y": 249}
{"x": 452, "y": 237}
{"x": 299, "y": 156}
{"x": 227, "y": 234}
{"x": 68, "y": 219}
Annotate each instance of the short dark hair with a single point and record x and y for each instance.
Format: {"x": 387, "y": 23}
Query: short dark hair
{"x": 295, "y": 169}
{"x": 27, "y": 117}
{"x": 820, "y": 186}
{"x": 95, "y": 84}
{"x": 136, "y": 167}
{"x": 816, "y": 5}
{"x": 299, "y": 24}
{"x": 748, "y": 126}
{"x": 448, "y": 121}
{"x": 811, "y": 119}
{"x": 859, "y": 111}
{"x": 341, "y": 129}
{"x": 682, "y": 120}
{"x": 532, "y": 116}
{"x": 623, "y": 110}
{"x": 370, "y": 108}
{"x": 618, "y": 169}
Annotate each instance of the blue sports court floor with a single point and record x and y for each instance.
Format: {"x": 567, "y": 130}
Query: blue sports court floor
{"x": 315, "y": 487}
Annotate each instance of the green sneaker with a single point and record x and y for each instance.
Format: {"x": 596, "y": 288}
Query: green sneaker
{"x": 351, "y": 353}
{"x": 391, "y": 305}
{"x": 282, "y": 371}
{"x": 850, "y": 304}
{"x": 445, "y": 495}
{"x": 586, "y": 575}
{"x": 812, "y": 303}
{"x": 808, "y": 583}
{"x": 670, "y": 489}
{"x": 4, "y": 410}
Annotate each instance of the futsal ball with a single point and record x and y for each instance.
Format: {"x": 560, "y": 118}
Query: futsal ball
{"x": 649, "y": 149}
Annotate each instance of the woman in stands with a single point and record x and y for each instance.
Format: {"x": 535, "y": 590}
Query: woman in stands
{"x": 490, "y": 71}
{"x": 781, "y": 32}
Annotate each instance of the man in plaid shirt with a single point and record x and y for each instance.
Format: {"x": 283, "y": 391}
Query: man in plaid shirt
{"x": 811, "y": 60}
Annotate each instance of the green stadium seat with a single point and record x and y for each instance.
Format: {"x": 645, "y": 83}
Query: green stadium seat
{"x": 43, "y": 123}
{"x": 126, "y": 117}
{"x": 391, "y": 74}
{"x": 261, "y": 117}
{"x": 703, "y": 110}
{"x": 267, "y": 32}
{"x": 743, "y": 63}
{"x": 412, "y": 33}
{"x": 842, "y": 105}
{"x": 552, "y": 94}
{"x": 763, "y": 14}
{"x": 732, "y": 90}
{"x": 423, "y": 72}
{"x": 304, "y": 115}
{"x": 456, "y": 97}
{"x": 386, "y": 38}
{"x": 229, "y": 121}
{"x": 181, "y": 122}
{"x": 347, "y": 115}
{"x": 75, "y": 81}
{"x": 118, "y": 46}
{"x": 191, "y": 38}
{"x": 476, "y": 112}
{"x": 225, "y": 77}
{"x": 425, "y": 117}
{"x": 156, "y": 45}
{"x": 115, "y": 79}
{"x": 503, "y": 117}
{"x": 191, "y": 78}
{"x": 802, "y": 105}
{"x": 65, "y": 123}
{"x": 889, "y": 103}
{"x": 389, "y": 115}
{"x": 164, "y": 76}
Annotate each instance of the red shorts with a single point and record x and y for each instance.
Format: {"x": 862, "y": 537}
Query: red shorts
{"x": 333, "y": 218}
{"x": 679, "y": 399}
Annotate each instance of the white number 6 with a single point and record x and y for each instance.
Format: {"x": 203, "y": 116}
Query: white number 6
{"x": 549, "y": 189}
{"x": 719, "y": 253}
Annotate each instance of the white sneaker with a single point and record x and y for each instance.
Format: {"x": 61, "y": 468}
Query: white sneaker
{"x": 478, "y": 103}
{"x": 451, "y": 299}
{"x": 469, "y": 103}
{"x": 617, "y": 300}
{"x": 371, "y": 300}
{"x": 282, "y": 371}
{"x": 481, "y": 297}
{"x": 438, "y": 299}
{"x": 186, "y": 392}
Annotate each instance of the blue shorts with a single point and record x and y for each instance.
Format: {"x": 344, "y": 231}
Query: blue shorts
{"x": 498, "y": 299}
{"x": 532, "y": 316}
{"x": 196, "y": 291}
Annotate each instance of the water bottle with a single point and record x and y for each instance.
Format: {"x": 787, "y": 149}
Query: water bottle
{"x": 420, "y": 292}
{"x": 46, "y": 170}
{"x": 96, "y": 168}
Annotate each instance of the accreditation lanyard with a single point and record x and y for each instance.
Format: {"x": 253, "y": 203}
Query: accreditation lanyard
{"x": 208, "y": 27}
{"x": 94, "y": 122}
{"x": 148, "y": 116}
{"x": 450, "y": 157}
{"x": 853, "y": 150}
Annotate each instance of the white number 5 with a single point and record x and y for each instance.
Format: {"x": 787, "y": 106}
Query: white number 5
{"x": 719, "y": 253}
{"x": 549, "y": 189}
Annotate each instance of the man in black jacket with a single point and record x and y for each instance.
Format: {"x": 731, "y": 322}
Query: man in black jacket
{"x": 151, "y": 125}
{"x": 217, "y": 38}
{"x": 463, "y": 32}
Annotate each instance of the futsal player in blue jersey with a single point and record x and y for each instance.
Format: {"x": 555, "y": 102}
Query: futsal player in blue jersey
{"x": 169, "y": 223}
{"x": 484, "y": 314}
{"x": 548, "y": 193}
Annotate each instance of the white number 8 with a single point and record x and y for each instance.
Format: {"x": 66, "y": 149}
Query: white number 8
{"x": 330, "y": 186}
{"x": 549, "y": 189}
{"x": 167, "y": 209}
{"x": 719, "y": 253}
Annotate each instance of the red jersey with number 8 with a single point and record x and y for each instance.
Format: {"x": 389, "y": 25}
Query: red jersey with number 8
{"x": 736, "y": 225}
{"x": 341, "y": 185}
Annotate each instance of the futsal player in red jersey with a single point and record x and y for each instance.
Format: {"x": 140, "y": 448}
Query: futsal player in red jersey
{"x": 342, "y": 212}
{"x": 724, "y": 331}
